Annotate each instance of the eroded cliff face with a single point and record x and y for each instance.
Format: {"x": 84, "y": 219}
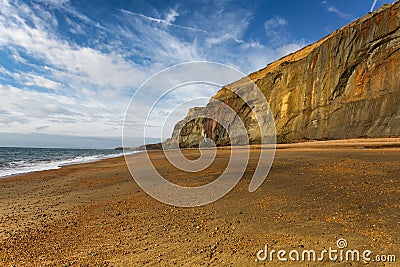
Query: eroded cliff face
{"x": 347, "y": 85}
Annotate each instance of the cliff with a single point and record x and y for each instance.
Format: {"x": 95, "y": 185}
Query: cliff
{"x": 344, "y": 86}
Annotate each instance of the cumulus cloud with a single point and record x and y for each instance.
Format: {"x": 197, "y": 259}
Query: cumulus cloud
{"x": 87, "y": 65}
{"x": 26, "y": 109}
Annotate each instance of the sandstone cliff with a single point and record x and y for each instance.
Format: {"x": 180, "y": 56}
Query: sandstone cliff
{"x": 346, "y": 85}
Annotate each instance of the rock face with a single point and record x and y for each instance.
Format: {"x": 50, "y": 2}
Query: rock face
{"x": 346, "y": 85}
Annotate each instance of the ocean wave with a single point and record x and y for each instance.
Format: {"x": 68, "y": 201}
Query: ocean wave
{"x": 25, "y": 166}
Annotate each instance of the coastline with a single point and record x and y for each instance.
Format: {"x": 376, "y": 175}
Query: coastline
{"x": 389, "y": 142}
{"x": 55, "y": 165}
{"x": 94, "y": 213}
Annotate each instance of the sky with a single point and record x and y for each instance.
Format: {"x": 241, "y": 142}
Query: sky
{"x": 68, "y": 69}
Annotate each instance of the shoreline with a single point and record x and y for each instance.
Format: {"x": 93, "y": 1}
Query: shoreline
{"x": 354, "y": 143}
{"x": 65, "y": 164}
{"x": 359, "y": 143}
{"x": 95, "y": 214}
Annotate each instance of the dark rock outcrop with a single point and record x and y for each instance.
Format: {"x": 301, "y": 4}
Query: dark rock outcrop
{"x": 346, "y": 85}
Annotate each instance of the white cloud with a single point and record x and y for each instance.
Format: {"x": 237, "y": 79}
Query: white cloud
{"x": 31, "y": 79}
{"x": 275, "y": 22}
{"x": 54, "y": 2}
{"x": 223, "y": 38}
{"x": 162, "y": 47}
{"x": 28, "y": 109}
{"x": 87, "y": 85}
{"x": 168, "y": 21}
{"x": 275, "y": 30}
{"x": 171, "y": 16}
{"x": 86, "y": 64}
{"x": 338, "y": 12}
{"x": 39, "y": 81}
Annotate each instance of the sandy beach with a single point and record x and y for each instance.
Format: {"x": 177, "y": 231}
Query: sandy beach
{"x": 95, "y": 214}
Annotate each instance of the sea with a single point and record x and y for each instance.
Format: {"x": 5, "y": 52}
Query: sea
{"x": 17, "y": 160}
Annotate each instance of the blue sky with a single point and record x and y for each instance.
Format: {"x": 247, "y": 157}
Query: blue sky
{"x": 69, "y": 68}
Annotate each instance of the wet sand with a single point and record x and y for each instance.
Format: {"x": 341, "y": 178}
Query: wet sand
{"x": 95, "y": 214}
